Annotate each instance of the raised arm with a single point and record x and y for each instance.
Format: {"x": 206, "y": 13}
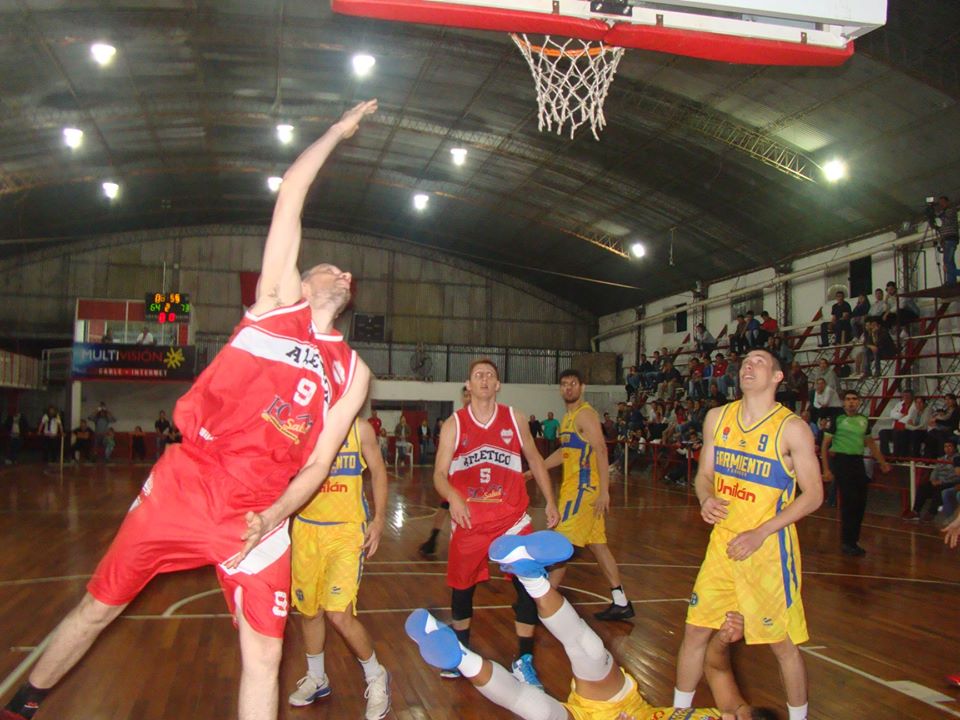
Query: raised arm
{"x": 712, "y": 508}
{"x": 370, "y": 448}
{"x": 588, "y": 425}
{"x": 309, "y": 479}
{"x": 538, "y": 469}
{"x": 279, "y": 282}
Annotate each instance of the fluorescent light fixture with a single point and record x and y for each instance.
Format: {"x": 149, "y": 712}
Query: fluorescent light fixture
{"x": 420, "y": 201}
{"x": 363, "y": 64}
{"x": 459, "y": 155}
{"x": 73, "y": 137}
{"x": 834, "y": 170}
{"x": 285, "y": 133}
{"x": 103, "y": 53}
{"x": 274, "y": 183}
{"x": 638, "y": 250}
{"x": 111, "y": 189}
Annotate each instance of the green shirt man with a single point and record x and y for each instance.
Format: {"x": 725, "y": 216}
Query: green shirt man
{"x": 550, "y": 427}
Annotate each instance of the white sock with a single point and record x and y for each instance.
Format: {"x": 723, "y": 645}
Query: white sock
{"x": 682, "y": 699}
{"x": 315, "y": 665}
{"x": 589, "y": 659}
{"x": 471, "y": 663}
{"x": 372, "y": 669}
{"x": 797, "y": 713}
{"x": 535, "y": 587}
{"x": 521, "y": 699}
{"x": 619, "y": 596}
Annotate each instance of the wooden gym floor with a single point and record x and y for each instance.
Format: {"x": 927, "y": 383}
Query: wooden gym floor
{"x": 885, "y": 629}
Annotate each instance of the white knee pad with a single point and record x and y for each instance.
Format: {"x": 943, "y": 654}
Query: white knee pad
{"x": 589, "y": 659}
{"x": 524, "y": 700}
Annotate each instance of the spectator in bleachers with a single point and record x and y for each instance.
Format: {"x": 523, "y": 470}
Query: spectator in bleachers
{"x": 609, "y": 427}
{"x": 768, "y": 327}
{"x": 943, "y": 476}
{"x": 696, "y": 385}
{"x": 424, "y": 440}
{"x": 716, "y": 396}
{"x": 738, "y": 340}
{"x": 402, "y": 442}
{"x": 718, "y": 368}
{"x": 16, "y": 429}
{"x": 900, "y": 414}
{"x": 900, "y": 311}
{"x": 826, "y": 402}
{"x": 779, "y": 346}
{"x": 703, "y": 340}
{"x": 796, "y": 387}
{"x": 375, "y": 422}
{"x": 138, "y": 444}
{"x": 670, "y": 380}
{"x": 82, "y": 442}
{"x": 729, "y": 382}
{"x": 879, "y": 307}
{"x": 825, "y": 371}
{"x": 551, "y": 429}
{"x": 657, "y": 423}
{"x": 753, "y": 330}
{"x": 162, "y": 426}
{"x": 644, "y": 368}
{"x": 107, "y": 337}
{"x": 944, "y": 426}
{"x": 536, "y": 429}
{"x": 384, "y": 443}
{"x": 652, "y": 376}
{"x": 949, "y": 237}
{"x": 859, "y": 315}
{"x": 839, "y": 324}
{"x": 51, "y": 431}
{"x": 633, "y": 380}
{"x": 877, "y": 346}
{"x": 917, "y": 429}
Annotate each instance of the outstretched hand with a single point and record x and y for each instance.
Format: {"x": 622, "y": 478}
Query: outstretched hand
{"x": 350, "y": 120}
{"x": 256, "y": 529}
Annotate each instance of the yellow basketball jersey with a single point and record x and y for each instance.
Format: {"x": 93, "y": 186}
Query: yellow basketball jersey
{"x": 340, "y": 499}
{"x": 579, "y": 460}
{"x": 748, "y": 468}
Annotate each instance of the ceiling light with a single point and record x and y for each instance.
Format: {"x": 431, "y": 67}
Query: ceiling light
{"x": 111, "y": 189}
{"x": 274, "y": 183}
{"x": 102, "y": 53}
{"x": 73, "y": 137}
{"x": 420, "y": 201}
{"x": 834, "y": 170}
{"x": 285, "y": 133}
{"x": 363, "y": 64}
{"x": 638, "y": 250}
{"x": 459, "y": 155}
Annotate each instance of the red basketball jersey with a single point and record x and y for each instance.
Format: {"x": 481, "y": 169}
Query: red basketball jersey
{"x": 486, "y": 467}
{"x": 260, "y": 405}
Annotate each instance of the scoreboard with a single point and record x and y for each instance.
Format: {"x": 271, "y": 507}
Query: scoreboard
{"x": 171, "y": 307}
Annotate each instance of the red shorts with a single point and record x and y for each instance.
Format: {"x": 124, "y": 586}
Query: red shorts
{"x": 467, "y": 561}
{"x": 190, "y": 513}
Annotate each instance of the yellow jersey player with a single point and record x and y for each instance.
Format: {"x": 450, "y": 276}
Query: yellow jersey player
{"x": 755, "y": 455}
{"x": 600, "y": 689}
{"x": 331, "y": 537}
{"x": 585, "y": 490}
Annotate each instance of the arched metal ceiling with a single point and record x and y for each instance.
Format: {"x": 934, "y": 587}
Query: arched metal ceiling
{"x": 184, "y": 119}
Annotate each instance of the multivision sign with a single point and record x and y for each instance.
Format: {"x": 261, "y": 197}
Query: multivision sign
{"x": 133, "y": 362}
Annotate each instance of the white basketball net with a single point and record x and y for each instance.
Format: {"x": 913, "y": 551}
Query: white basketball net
{"x": 572, "y": 77}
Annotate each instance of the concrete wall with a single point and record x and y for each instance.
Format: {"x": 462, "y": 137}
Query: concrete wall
{"x": 426, "y": 296}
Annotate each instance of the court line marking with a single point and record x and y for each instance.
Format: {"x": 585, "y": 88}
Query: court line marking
{"x": 20, "y": 670}
{"x": 895, "y": 685}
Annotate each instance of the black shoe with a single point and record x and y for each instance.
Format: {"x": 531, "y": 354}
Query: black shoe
{"x": 616, "y": 612}
{"x": 428, "y": 549}
{"x": 853, "y": 550}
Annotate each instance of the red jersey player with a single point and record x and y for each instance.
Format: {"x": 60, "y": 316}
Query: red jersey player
{"x": 478, "y": 471}
{"x": 275, "y": 403}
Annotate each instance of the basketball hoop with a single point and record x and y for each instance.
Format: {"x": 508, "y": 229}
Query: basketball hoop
{"x": 572, "y": 77}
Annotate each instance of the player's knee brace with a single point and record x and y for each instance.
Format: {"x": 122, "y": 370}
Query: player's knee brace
{"x": 521, "y": 699}
{"x": 525, "y": 609}
{"x": 461, "y": 603}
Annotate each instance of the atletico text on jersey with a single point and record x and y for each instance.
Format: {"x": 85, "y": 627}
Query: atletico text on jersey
{"x": 751, "y": 475}
{"x": 579, "y": 523}
{"x": 486, "y": 468}
{"x": 260, "y": 405}
{"x": 340, "y": 499}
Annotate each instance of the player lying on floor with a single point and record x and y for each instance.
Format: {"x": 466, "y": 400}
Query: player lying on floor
{"x": 601, "y": 690}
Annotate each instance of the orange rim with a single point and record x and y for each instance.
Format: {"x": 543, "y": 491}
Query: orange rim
{"x": 592, "y": 51}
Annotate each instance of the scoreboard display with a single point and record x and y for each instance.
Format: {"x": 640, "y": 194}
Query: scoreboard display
{"x": 171, "y": 307}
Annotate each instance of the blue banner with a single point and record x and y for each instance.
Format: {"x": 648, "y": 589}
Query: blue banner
{"x": 97, "y": 361}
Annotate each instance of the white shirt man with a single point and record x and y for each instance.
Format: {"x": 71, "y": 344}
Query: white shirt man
{"x": 145, "y": 338}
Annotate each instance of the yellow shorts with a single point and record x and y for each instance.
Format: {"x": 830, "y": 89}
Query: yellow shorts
{"x": 632, "y": 705}
{"x": 327, "y": 563}
{"x": 764, "y": 588}
{"x": 578, "y": 522}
